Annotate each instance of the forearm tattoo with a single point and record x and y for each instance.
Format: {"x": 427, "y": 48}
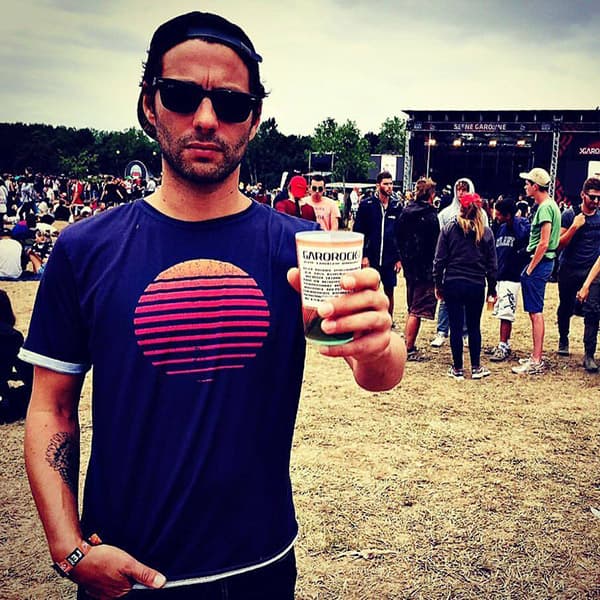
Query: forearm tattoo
{"x": 63, "y": 456}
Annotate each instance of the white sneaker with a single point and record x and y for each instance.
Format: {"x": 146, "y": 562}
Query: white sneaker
{"x": 457, "y": 374}
{"x": 439, "y": 340}
{"x": 500, "y": 353}
{"x": 480, "y": 372}
{"x": 529, "y": 368}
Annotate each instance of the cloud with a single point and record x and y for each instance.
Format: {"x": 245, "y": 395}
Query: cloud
{"x": 79, "y": 63}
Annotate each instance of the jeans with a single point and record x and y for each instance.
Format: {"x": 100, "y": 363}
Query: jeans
{"x": 464, "y": 301}
{"x": 591, "y": 318}
{"x": 569, "y": 283}
{"x": 276, "y": 581}
{"x": 443, "y": 324}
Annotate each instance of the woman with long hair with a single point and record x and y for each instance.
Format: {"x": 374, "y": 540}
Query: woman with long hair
{"x": 465, "y": 259}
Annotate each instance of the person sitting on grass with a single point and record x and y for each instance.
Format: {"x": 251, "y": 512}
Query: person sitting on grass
{"x": 13, "y": 400}
{"x": 40, "y": 251}
{"x": 10, "y": 256}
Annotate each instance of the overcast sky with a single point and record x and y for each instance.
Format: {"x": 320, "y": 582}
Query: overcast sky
{"x": 78, "y": 62}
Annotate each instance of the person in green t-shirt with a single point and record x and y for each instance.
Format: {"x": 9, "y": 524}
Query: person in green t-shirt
{"x": 543, "y": 243}
{"x": 546, "y": 213}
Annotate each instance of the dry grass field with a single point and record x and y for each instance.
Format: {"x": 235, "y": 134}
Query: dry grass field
{"x": 437, "y": 489}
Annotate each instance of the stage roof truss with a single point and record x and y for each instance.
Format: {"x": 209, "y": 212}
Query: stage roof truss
{"x": 495, "y": 122}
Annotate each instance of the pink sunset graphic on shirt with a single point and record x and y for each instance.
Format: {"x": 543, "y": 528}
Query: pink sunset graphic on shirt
{"x": 201, "y": 317}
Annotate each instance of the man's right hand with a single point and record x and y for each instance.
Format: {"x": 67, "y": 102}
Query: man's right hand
{"x": 579, "y": 220}
{"x": 109, "y": 572}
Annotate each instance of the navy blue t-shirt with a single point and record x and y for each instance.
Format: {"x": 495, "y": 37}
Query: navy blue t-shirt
{"x": 196, "y": 343}
{"x": 581, "y": 252}
{"x": 511, "y": 249}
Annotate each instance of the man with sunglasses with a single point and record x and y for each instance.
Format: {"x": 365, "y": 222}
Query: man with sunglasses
{"x": 326, "y": 209}
{"x": 182, "y": 304}
{"x": 580, "y": 243}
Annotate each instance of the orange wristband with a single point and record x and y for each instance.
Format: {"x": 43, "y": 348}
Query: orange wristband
{"x": 64, "y": 567}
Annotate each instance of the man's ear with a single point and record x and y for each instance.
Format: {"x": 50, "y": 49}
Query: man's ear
{"x": 148, "y": 104}
{"x": 255, "y": 121}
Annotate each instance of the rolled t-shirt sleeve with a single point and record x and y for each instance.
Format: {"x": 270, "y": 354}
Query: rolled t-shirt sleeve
{"x": 566, "y": 219}
{"x": 58, "y": 332}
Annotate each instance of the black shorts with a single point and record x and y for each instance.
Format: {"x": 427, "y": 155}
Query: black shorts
{"x": 421, "y": 300}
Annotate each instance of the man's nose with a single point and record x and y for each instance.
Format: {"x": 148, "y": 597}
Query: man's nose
{"x": 205, "y": 116}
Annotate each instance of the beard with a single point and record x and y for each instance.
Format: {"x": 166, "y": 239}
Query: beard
{"x": 198, "y": 171}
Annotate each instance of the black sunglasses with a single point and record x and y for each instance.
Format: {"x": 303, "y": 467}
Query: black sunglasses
{"x": 593, "y": 197}
{"x": 316, "y": 188}
{"x": 184, "y": 97}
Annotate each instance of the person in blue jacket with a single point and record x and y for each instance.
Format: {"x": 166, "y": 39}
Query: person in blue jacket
{"x": 376, "y": 219}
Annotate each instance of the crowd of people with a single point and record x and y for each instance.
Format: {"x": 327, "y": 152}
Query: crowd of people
{"x": 450, "y": 246}
{"x": 35, "y": 208}
{"x": 450, "y": 251}
{"x": 19, "y": 193}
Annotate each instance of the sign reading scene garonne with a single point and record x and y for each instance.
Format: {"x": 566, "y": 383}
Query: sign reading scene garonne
{"x": 479, "y": 126}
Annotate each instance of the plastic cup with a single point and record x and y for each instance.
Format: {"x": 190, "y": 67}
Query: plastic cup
{"x": 323, "y": 258}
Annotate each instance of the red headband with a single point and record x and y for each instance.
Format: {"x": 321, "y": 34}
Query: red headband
{"x": 468, "y": 199}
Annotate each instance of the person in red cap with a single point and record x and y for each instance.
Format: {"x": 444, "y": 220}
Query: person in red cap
{"x": 183, "y": 302}
{"x": 465, "y": 258}
{"x": 296, "y": 205}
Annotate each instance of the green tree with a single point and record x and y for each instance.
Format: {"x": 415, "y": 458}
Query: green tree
{"x": 271, "y": 152}
{"x": 117, "y": 148}
{"x": 373, "y": 141}
{"x": 351, "y": 151}
{"x": 391, "y": 136}
{"x": 80, "y": 165}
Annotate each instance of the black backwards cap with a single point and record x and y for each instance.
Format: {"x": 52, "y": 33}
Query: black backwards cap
{"x": 195, "y": 25}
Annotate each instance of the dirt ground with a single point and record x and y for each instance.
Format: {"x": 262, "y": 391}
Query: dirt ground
{"x": 437, "y": 489}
